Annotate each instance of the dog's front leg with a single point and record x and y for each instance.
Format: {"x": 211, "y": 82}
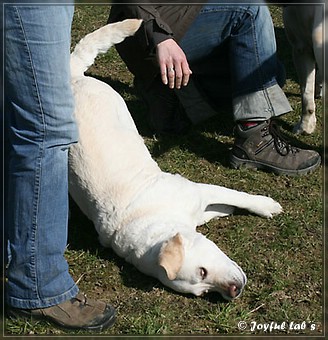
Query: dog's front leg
{"x": 218, "y": 200}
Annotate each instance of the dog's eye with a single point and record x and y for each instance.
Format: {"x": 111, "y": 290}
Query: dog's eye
{"x": 203, "y": 273}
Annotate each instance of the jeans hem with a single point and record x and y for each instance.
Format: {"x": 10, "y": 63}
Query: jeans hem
{"x": 43, "y": 302}
{"x": 261, "y": 105}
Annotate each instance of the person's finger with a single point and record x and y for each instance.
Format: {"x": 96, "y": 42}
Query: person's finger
{"x": 171, "y": 76}
{"x": 178, "y": 76}
{"x": 185, "y": 79}
{"x": 164, "y": 74}
{"x": 186, "y": 71}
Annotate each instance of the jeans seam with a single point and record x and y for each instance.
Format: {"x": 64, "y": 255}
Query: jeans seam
{"x": 36, "y": 199}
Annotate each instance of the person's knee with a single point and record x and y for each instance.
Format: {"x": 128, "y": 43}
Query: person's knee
{"x": 58, "y": 122}
{"x": 63, "y": 134}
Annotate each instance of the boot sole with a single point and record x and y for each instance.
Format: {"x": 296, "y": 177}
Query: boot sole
{"x": 238, "y": 163}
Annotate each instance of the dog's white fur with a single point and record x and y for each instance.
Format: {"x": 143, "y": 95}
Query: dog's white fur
{"x": 304, "y": 29}
{"x": 146, "y": 216}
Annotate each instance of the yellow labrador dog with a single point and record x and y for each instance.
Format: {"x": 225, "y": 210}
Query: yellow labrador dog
{"x": 146, "y": 216}
{"x": 304, "y": 29}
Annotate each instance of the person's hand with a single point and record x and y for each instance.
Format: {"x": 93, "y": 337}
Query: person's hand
{"x": 173, "y": 63}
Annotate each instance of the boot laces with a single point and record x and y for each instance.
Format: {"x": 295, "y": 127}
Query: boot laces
{"x": 282, "y": 145}
{"x": 80, "y": 300}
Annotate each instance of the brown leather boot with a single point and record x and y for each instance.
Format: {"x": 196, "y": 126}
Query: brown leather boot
{"x": 263, "y": 147}
{"x": 77, "y": 313}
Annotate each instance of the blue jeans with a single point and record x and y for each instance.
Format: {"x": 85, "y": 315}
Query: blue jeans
{"x": 39, "y": 128}
{"x": 235, "y": 45}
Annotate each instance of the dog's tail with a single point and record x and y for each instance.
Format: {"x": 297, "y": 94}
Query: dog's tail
{"x": 98, "y": 42}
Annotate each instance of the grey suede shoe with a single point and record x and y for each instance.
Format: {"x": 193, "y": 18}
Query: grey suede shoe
{"x": 263, "y": 147}
{"x": 77, "y": 313}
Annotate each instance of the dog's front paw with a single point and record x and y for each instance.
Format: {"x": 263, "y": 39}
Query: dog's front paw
{"x": 266, "y": 207}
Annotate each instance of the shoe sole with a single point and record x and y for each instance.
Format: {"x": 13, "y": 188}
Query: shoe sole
{"x": 21, "y": 314}
{"x": 238, "y": 163}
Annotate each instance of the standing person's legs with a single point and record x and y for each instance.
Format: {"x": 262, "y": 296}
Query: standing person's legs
{"x": 39, "y": 130}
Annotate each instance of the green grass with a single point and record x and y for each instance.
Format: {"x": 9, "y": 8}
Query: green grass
{"x": 282, "y": 257}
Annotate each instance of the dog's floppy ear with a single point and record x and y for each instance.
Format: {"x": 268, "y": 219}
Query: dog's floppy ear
{"x": 171, "y": 256}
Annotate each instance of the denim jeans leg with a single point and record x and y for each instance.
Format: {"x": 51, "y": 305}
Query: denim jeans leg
{"x": 40, "y": 127}
{"x": 247, "y": 32}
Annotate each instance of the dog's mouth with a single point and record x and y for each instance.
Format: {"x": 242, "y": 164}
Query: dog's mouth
{"x": 229, "y": 293}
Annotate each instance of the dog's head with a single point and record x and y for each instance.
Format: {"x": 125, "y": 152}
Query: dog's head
{"x": 198, "y": 266}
